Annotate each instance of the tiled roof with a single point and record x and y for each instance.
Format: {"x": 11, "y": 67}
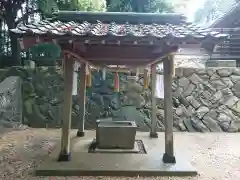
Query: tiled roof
{"x": 60, "y": 28}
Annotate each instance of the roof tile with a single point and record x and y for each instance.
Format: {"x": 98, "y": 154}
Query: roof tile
{"x": 113, "y": 29}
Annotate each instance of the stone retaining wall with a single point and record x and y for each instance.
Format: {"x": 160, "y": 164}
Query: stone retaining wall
{"x": 204, "y": 99}
{"x": 10, "y": 102}
{"x": 207, "y": 99}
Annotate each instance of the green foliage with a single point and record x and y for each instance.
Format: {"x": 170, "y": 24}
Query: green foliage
{"x": 119, "y": 6}
{"x": 161, "y": 6}
{"x": 2, "y": 45}
{"x": 49, "y": 6}
{"x": 42, "y": 51}
{"x": 213, "y": 9}
{"x": 151, "y": 6}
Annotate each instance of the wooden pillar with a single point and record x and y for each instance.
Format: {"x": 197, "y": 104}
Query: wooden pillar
{"x": 168, "y": 64}
{"x": 153, "y": 131}
{"x": 67, "y": 109}
{"x": 82, "y": 100}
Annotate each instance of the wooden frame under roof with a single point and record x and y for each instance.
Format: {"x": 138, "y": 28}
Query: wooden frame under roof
{"x": 107, "y": 38}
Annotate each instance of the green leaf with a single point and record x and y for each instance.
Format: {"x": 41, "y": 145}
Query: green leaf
{"x": 45, "y": 50}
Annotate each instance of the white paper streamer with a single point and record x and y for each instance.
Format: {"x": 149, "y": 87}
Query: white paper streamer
{"x": 159, "y": 91}
{"x": 75, "y": 77}
{"x": 104, "y": 71}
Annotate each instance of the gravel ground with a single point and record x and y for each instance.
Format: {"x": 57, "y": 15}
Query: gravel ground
{"x": 216, "y": 156}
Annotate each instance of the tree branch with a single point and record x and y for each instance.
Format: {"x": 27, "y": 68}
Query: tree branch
{"x": 16, "y": 5}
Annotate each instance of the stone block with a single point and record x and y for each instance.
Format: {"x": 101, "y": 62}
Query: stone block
{"x": 210, "y": 71}
{"x": 218, "y": 84}
{"x": 198, "y": 125}
{"x": 220, "y": 63}
{"x": 206, "y": 95}
{"x": 211, "y": 124}
{"x": 193, "y": 102}
{"x": 187, "y": 122}
{"x": 227, "y": 81}
{"x": 195, "y": 79}
{"x": 11, "y": 100}
{"x": 201, "y": 71}
{"x": 236, "y": 107}
{"x": 224, "y": 72}
{"x": 236, "y": 71}
{"x": 229, "y": 101}
{"x": 188, "y": 90}
{"x": 115, "y": 134}
{"x": 202, "y": 111}
{"x": 235, "y": 78}
{"x": 188, "y": 71}
{"x": 183, "y": 82}
{"x": 216, "y": 97}
{"x": 236, "y": 89}
{"x": 182, "y": 112}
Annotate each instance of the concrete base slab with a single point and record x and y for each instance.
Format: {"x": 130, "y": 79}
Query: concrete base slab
{"x": 134, "y": 150}
{"x": 115, "y": 164}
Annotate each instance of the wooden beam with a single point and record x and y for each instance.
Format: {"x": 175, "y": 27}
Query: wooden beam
{"x": 168, "y": 64}
{"x": 97, "y": 40}
{"x": 171, "y": 50}
{"x": 121, "y": 63}
{"x": 67, "y": 109}
{"x": 126, "y": 69}
{"x": 153, "y": 132}
{"x": 82, "y": 100}
{"x": 122, "y": 70}
{"x": 78, "y": 57}
{"x": 121, "y": 52}
{"x": 102, "y": 59}
{"x": 101, "y": 64}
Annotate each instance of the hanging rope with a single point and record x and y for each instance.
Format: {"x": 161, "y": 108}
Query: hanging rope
{"x": 88, "y": 76}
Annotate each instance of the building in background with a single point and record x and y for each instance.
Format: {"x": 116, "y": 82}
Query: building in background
{"x": 229, "y": 50}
